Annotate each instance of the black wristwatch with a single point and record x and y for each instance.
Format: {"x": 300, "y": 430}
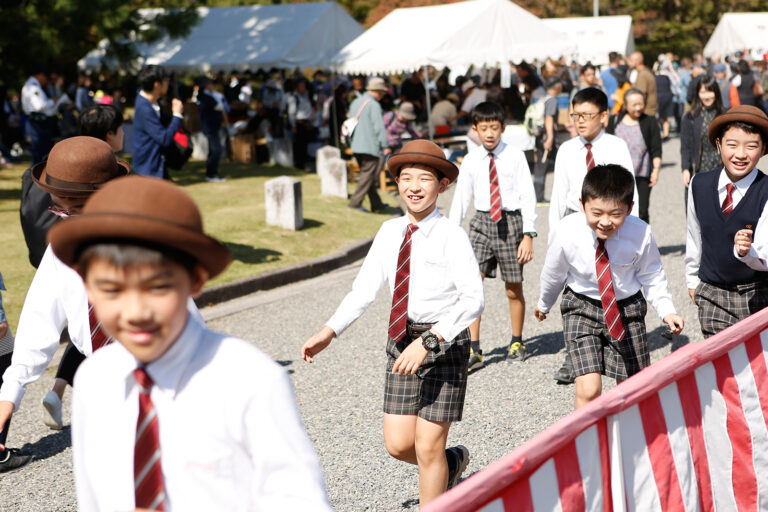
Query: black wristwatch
{"x": 531, "y": 234}
{"x": 430, "y": 341}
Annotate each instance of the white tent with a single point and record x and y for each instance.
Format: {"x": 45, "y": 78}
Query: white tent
{"x": 595, "y": 37}
{"x": 251, "y": 37}
{"x": 739, "y": 31}
{"x": 479, "y": 32}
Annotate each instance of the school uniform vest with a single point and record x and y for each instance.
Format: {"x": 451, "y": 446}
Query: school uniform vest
{"x": 718, "y": 264}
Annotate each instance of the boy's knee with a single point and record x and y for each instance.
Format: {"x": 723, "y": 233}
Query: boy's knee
{"x": 588, "y": 387}
{"x": 399, "y": 449}
{"x": 429, "y": 452}
{"x": 514, "y": 291}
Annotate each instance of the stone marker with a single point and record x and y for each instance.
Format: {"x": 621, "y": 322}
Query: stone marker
{"x": 282, "y": 152}
{"x": 334, "y": 180}
{"x": 323, "y": 156}
{"x": 283, "y": 202}
{"x": 199, "y": 146}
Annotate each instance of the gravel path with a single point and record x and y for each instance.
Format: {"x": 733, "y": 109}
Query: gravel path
{"x": 340, "y": 396}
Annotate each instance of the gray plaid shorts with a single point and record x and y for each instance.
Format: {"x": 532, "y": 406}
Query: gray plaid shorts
{"x": 496, "y": 244}
{"x": 721, "y": 306}
{"x": 437, "y": 391}
{"x": 589, "y": 345}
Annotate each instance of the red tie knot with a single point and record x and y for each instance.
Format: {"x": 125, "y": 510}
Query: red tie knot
{"x": 143, "y": 379}
{"x": 588, "y": 145}
{"x": 600, "y": 243}
{"x": 490, "y": 155}
{"x": 729, "y": 188}
{"x": 412, "y": 228}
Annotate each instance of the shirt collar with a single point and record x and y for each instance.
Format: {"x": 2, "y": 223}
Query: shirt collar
{"x": 742, "y": 185}
{"x": 426, "y": 224}
{"x": 497, "y": 150}
{"x": 593, "y": 141}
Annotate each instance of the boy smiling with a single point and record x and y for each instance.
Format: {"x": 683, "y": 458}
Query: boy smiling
{"x": 726, "y": 268}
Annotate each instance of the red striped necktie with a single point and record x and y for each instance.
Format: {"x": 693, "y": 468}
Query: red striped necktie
{"x": 99, "y": 338}
{"x": 495, "y": 191}
{"x": 590, "y": 157}
{"x": 147, "y": 470}
{"x": 398, "y": 317}
{"x": 728, "y": 201}
{"x": 607, "y": 295}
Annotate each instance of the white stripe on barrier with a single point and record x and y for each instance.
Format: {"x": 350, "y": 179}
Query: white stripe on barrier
{"x": 544, "y": 488}
{"x": 642, "y": 495}
{"x": 589, "y": 463}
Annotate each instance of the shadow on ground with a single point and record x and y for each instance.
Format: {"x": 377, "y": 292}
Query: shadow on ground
{"x": 671, "y": 249}
{"x": 50, "y": 445}
{"x": 194, "y": 172}
{"x": 249, "y": 254}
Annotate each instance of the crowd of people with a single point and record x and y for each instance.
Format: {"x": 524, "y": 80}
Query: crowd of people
{"x": 127, "y": 254}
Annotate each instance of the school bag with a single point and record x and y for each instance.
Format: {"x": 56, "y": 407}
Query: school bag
{"x": 349, "y": 124}
{"x": 179, "y": 151}
{"x": 534, "y": 117}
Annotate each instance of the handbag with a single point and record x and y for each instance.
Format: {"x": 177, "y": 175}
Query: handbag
{"x": 179, "y": 151}
{"x": 349, "y": 124}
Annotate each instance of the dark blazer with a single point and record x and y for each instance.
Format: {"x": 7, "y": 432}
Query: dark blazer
{"x": 690, "y": 139}
{"x": 649, "y": 127}
{"x": 210, "y": 117}
{"x": 150, "y": 138}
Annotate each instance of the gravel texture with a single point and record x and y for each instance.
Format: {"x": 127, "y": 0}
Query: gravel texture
{"x": 340, "y": 396}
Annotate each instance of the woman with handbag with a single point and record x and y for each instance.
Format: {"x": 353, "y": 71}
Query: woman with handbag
{"x": 697, "y": 154}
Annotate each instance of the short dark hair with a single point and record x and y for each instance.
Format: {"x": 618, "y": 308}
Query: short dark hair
{"x": 742, "y": 125}
{"x": 613, "y": 57}
{"x": 126, "y": 253}
{"x": 587, "y": 66}
{"x": 630, "y": 92}
{"x": 487, "y": 111}
{"x": 99, "y": 119}
{"x": 610, "y": 182}
{"x": 591, "y": 95}
{"x": 149, "y": 75}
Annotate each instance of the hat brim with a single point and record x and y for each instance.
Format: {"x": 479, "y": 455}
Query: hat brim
{"x": 400, "y": 160}
{"x": 407, "y": 117}
{"x": 745, "y": 117}
{"x": 69, "y": 236}
{"x": 70, "y": 189}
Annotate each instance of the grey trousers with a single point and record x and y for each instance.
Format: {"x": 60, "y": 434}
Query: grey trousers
{"x": 367, "y": 181}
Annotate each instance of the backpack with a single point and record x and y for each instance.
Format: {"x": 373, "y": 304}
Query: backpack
{"x": 534, "y": 117}
{"x": 179, "y": 151}
{"x": 349, "y": 124}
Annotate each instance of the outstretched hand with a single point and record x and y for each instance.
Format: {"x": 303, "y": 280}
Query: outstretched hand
{"x": 317, "y": 343}
{"x": 675, "y": 323}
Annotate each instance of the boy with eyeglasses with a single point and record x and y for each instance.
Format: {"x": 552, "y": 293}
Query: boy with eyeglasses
{"x": 576, "y": 157}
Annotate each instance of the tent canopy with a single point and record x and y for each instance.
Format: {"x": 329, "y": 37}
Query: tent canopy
{"x": 250, "y": 37}
{"x": 595, "y": 37}
{"x": 476, "y": 32}
{"x": 739, "y": 31}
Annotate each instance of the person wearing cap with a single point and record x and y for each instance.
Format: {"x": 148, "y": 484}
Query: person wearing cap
{"x": 369, "y": 144}
{"x": 444, "y": 112}
{"x": 211, "y": 114}
{"x": 727, "y": 244}
{"x": 399, "y": 122}
{"x": 437, "y": 293}
{"x": 172, "y": 416}
{"x": 41, "y": 112}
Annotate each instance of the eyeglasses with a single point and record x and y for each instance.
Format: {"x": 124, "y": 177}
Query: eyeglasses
{"x": 585, "y": 116}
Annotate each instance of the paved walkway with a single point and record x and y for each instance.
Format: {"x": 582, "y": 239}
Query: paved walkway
{"x": 340, "y": 396}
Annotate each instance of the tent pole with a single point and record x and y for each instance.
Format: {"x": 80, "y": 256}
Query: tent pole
{"x": 334, "y": 111}
{"x": 429, "y": 103}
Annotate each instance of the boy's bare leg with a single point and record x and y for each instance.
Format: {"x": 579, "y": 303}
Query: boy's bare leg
{"x": 474, "y": 328}
{"x": 588, "y": 387}
{"x": 430, "y": 453}
{"x": 516, "y": 307}
{"x": 400, "y": 436}
{"x": 59, "y": 385}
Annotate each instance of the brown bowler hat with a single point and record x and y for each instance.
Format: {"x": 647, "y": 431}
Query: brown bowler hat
{"x": 141, "y": 209}
{"x": 423, "y": 152}
{"x": 77, "y": 167}
{"x": 745, "y": 114}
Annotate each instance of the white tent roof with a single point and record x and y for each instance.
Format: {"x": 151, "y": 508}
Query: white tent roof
{"x": 595, "y": 37}
{"x": 738, "y": 31}
{"x": 479, "y": 32}
{"x": 250, "y": 37}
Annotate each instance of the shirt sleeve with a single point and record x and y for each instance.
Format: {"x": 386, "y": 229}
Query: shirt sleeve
{"x": 650, "y": 273}
{"x": 462, "y": 196}
{"x": 465, "y": 273}
{"x": 757, "y": 257}
{"x": 42, "y": 320}
{"x": 162, "y": 135}
{"x": 380, "y": 131}
{"x": 527, "y": 196}
{"x": 692, "y": 243}
{"x": 366, "y": 286}
{"x": 625, "y": 160}
{"x": 553, "y": 274}
{"x": 558, "y": 197}
{"x": 86, "y": 493}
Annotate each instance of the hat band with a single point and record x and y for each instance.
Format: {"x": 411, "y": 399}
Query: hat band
{"x": 73, "y": 186}
{"x": 403, "y": 153}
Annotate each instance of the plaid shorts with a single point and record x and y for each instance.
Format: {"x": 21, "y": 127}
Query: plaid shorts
{"x": 721, "y": 306}
{"x": 437, "y": 391}
{"x": 496, "y": 244}
{"x": 592, "y": 349}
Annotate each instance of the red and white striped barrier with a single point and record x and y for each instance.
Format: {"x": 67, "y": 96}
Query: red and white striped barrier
{"x": 688, "y": 433}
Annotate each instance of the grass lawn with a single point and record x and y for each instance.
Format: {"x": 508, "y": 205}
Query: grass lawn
{"x": 233, "y": 212}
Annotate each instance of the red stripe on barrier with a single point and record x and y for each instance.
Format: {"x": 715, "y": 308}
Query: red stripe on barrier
{"x": 605, "y": 464}
{"x": 689, "y": 399}
{"x": 660, "y": 453}
{"x": 743, "y": 476}
{"x": 569, "y": 478}
{"x": 518, "y": 497}
{"x": 757, "y": 362}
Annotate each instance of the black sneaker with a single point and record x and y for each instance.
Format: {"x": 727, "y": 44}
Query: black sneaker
{"x": 475, "y": 359}
{"x": 458, "y": 458}
{"x": 14, "y": 460}
{"x": 517, "y": 352}
{"x": 565, "y": 374}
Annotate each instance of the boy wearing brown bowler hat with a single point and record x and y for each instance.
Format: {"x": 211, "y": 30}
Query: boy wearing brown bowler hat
{"x": 436, "y": 294}
{"x": 142, "y": 406}
{"x": 75, "y": 168}
{"x": 726, "y": 269}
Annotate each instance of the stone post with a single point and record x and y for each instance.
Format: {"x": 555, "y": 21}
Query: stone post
{"x": 282, "y": 198}
{"x": 323, "y": 156}
{"x": 334, "y": 179}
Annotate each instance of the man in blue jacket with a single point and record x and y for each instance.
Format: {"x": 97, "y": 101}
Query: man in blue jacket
{"x": 150, "y": 137}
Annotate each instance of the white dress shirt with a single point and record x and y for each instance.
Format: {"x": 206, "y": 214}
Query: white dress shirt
{"x": 34, "y": 100}
{"x": 445, "y": 287}
{"x": 56, "y": 299}
{"x": 299, "y": 108}
{"x": 476, "y": 97}
{"x": 571, "y": 167}
{"x": 634, "y": 258}
{"x": 758, "y": 253}
{"x": 515, "y": 184}
{"x": 231, "y": 437}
